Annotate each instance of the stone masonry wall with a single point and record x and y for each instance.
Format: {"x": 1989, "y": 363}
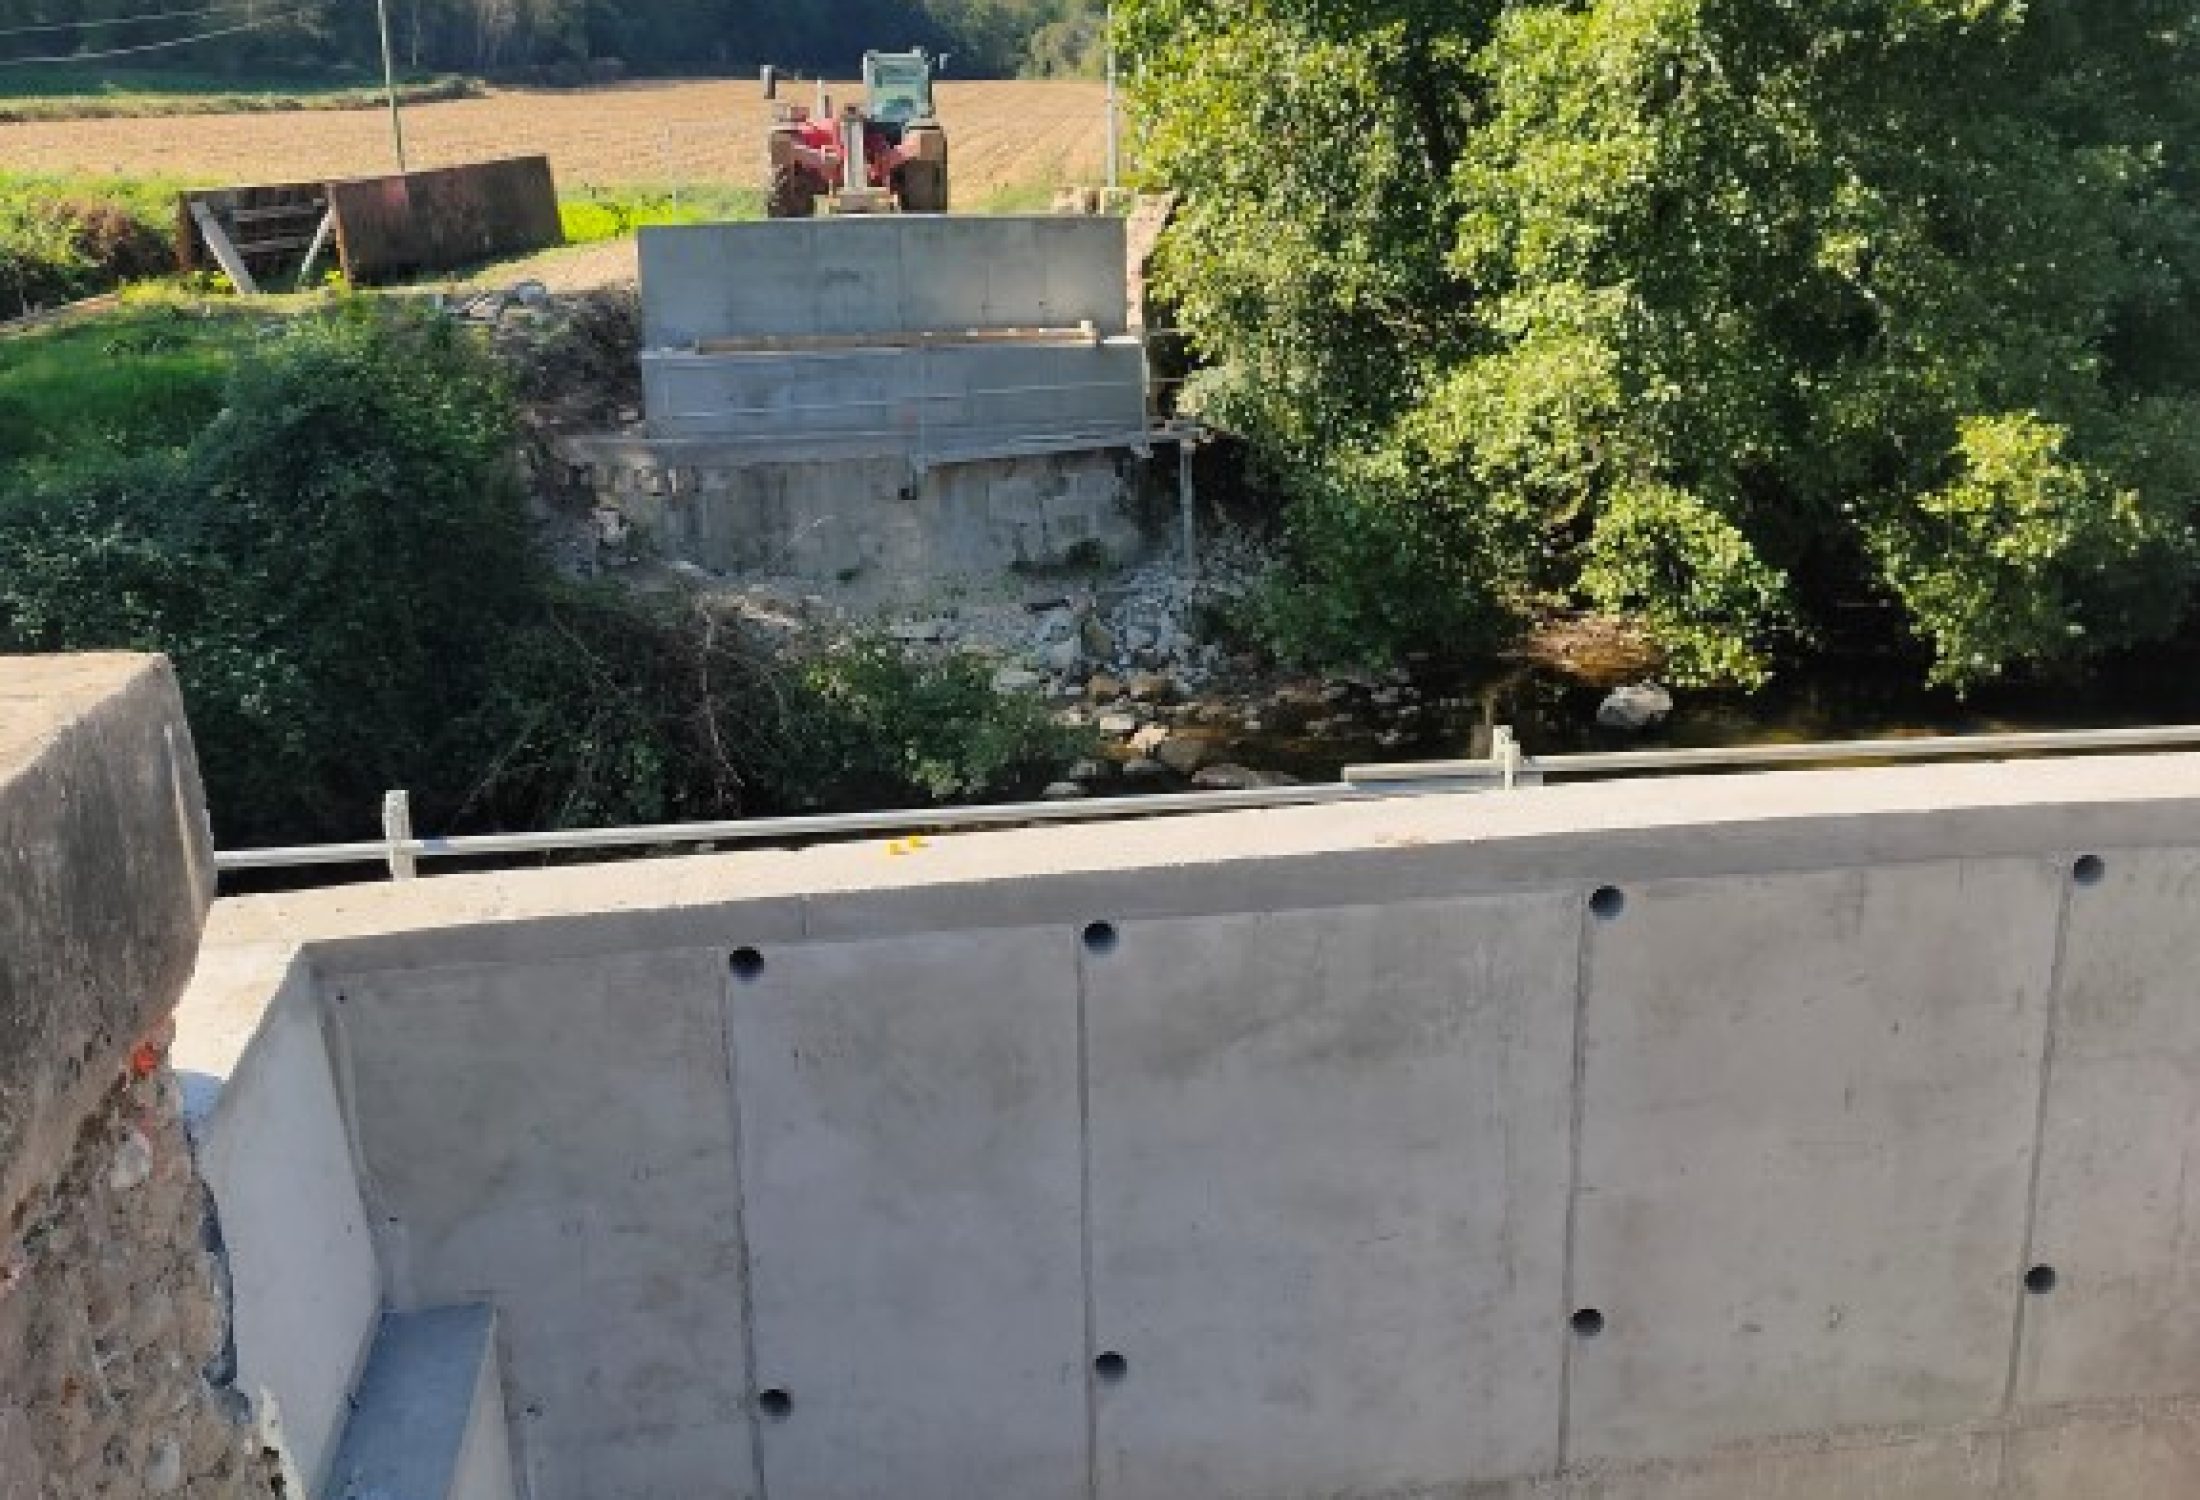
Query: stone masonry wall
{"x": 858, "y": 522}
{"x": 115, "y": 1370}
{"x": 114, "y": 1319}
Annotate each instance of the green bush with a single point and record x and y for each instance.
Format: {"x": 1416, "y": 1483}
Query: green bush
{"x": 325, "y": 562}
{"x": 65, "y": 238}
{"x": 868, "y": 724}
{"x": 1384, "y": 558}
{"x": 2028, "y": 555}
{"x": 341, "y": 567}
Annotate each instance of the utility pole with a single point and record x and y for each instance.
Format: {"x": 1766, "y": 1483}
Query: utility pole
{"x": 1115, "y": 112}
{"x": 389, "y": 81}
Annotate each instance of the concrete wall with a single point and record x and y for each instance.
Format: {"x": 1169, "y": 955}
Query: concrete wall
{"x": 306, "y": 1292}
{"x": 927, "y": 400}
{"x": 1697, "y": 1139}
{"x": 430, "y": 1421}
{"x": 575, "y": 1171}
{"x": 865, "y": 521}
{"x": 887, "y": 279}
{"x": 894, "y": 273}
{"x": 106, "y": 872}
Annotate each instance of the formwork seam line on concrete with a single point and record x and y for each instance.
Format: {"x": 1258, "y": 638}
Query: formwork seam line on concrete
{"x": 1084, "y": 1215}
{"x": 2052, "y": 1015}
{"x": 1577, "y": 1103}
{"x": 750, "y": 1382}
{"x": 334, "y": 1038}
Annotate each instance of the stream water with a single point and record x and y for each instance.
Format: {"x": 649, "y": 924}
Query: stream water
{"x": 1553, "y": 714}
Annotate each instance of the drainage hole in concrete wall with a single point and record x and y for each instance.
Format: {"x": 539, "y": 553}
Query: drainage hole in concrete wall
{"x": 2040, "y": 1280}
{"x": 1111, "y": 1367}
{"x": 1608, "y": 901}
{"x": 2088, "y": 869}
{"x": 746, "y": 963}
{"x": 1101, "y": 937}
{"x": 1588, "y": 1322}
{"x": 776, "y": 1404}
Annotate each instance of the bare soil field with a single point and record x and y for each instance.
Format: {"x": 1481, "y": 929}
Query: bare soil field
{"x": 1008, "y": 138}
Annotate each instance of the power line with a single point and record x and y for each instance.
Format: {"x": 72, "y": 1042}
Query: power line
{"x": 157, "y": 15}
{"x": 181, "y": 41}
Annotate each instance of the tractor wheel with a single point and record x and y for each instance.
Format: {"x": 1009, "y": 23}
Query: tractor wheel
{"x": 924, "y": 187}
{"x": 792, "y": 195}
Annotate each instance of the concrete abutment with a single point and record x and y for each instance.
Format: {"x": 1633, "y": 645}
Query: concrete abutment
{"x": 1696, "y": 1138}
{"x": 907, "y": 404}
{"x": 1690, "y": 1138}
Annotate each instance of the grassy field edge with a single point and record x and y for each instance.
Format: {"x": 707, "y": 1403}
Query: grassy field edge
{"x": 151, "y": 96}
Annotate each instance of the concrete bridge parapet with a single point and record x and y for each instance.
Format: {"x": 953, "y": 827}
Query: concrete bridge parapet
{"x": 1813, "y": 1134}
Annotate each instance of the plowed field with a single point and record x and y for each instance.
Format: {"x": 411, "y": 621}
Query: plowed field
{"x": 1007, "y": 138}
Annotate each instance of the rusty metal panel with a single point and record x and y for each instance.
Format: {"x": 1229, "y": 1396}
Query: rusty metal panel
{"x": 392, "y": 227}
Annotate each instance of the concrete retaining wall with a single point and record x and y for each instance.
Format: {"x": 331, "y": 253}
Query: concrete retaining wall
{"x": 895, "y": 273}
{"x": 925, "y": 399}
{"x": 306, "y": 1291}
{"x": 901, "y": 284}
{"x": 1809, "y": 1135}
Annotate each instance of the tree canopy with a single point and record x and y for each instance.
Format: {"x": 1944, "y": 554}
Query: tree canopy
{"x": 1733, "y": 315}
{"x": 986, "y": 37}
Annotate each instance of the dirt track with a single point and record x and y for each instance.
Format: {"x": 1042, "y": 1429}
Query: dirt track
{"x": 1007, "y": 137}
{"x": 582, "y": 268}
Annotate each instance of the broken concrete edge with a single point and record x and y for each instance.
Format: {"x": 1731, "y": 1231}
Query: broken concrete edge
{"x": 106, "y": 876}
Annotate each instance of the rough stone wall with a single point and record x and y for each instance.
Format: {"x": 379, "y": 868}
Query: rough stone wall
{"x": 114, "y": 1364}
{"x": 115, "y": 1376}
{"x": 862, "y": 523}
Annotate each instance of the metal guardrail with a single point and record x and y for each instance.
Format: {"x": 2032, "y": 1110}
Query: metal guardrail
{"x": 1505, "y": 768}
{"x": 1821, "y": 752}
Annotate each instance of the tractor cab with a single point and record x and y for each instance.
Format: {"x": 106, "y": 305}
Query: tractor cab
{"x": 887, "y": 153}
{"x": 898, "y": 89}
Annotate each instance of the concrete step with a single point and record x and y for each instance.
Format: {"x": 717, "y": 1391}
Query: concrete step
{"x": 427, "y": 1421}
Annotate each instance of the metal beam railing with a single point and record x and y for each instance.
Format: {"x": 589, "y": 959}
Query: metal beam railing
{"x": 1506, "y": 767}
{"x": 1822, "y": 752}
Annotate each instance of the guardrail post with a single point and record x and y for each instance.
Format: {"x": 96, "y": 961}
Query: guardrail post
{"x": 1185, "y": 506}
{"x": 1505, "y": 750}
{"x": 397, "y": 835}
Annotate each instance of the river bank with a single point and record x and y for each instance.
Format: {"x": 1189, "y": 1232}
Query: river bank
{"x": 1154, "y": 663}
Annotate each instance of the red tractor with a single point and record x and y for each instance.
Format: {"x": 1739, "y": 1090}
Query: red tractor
{"x": 895, "y": 131}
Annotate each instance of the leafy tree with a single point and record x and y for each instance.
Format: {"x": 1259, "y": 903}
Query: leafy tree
{"x": 1752, "y": 307}
{"x": 988, "y": 37}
